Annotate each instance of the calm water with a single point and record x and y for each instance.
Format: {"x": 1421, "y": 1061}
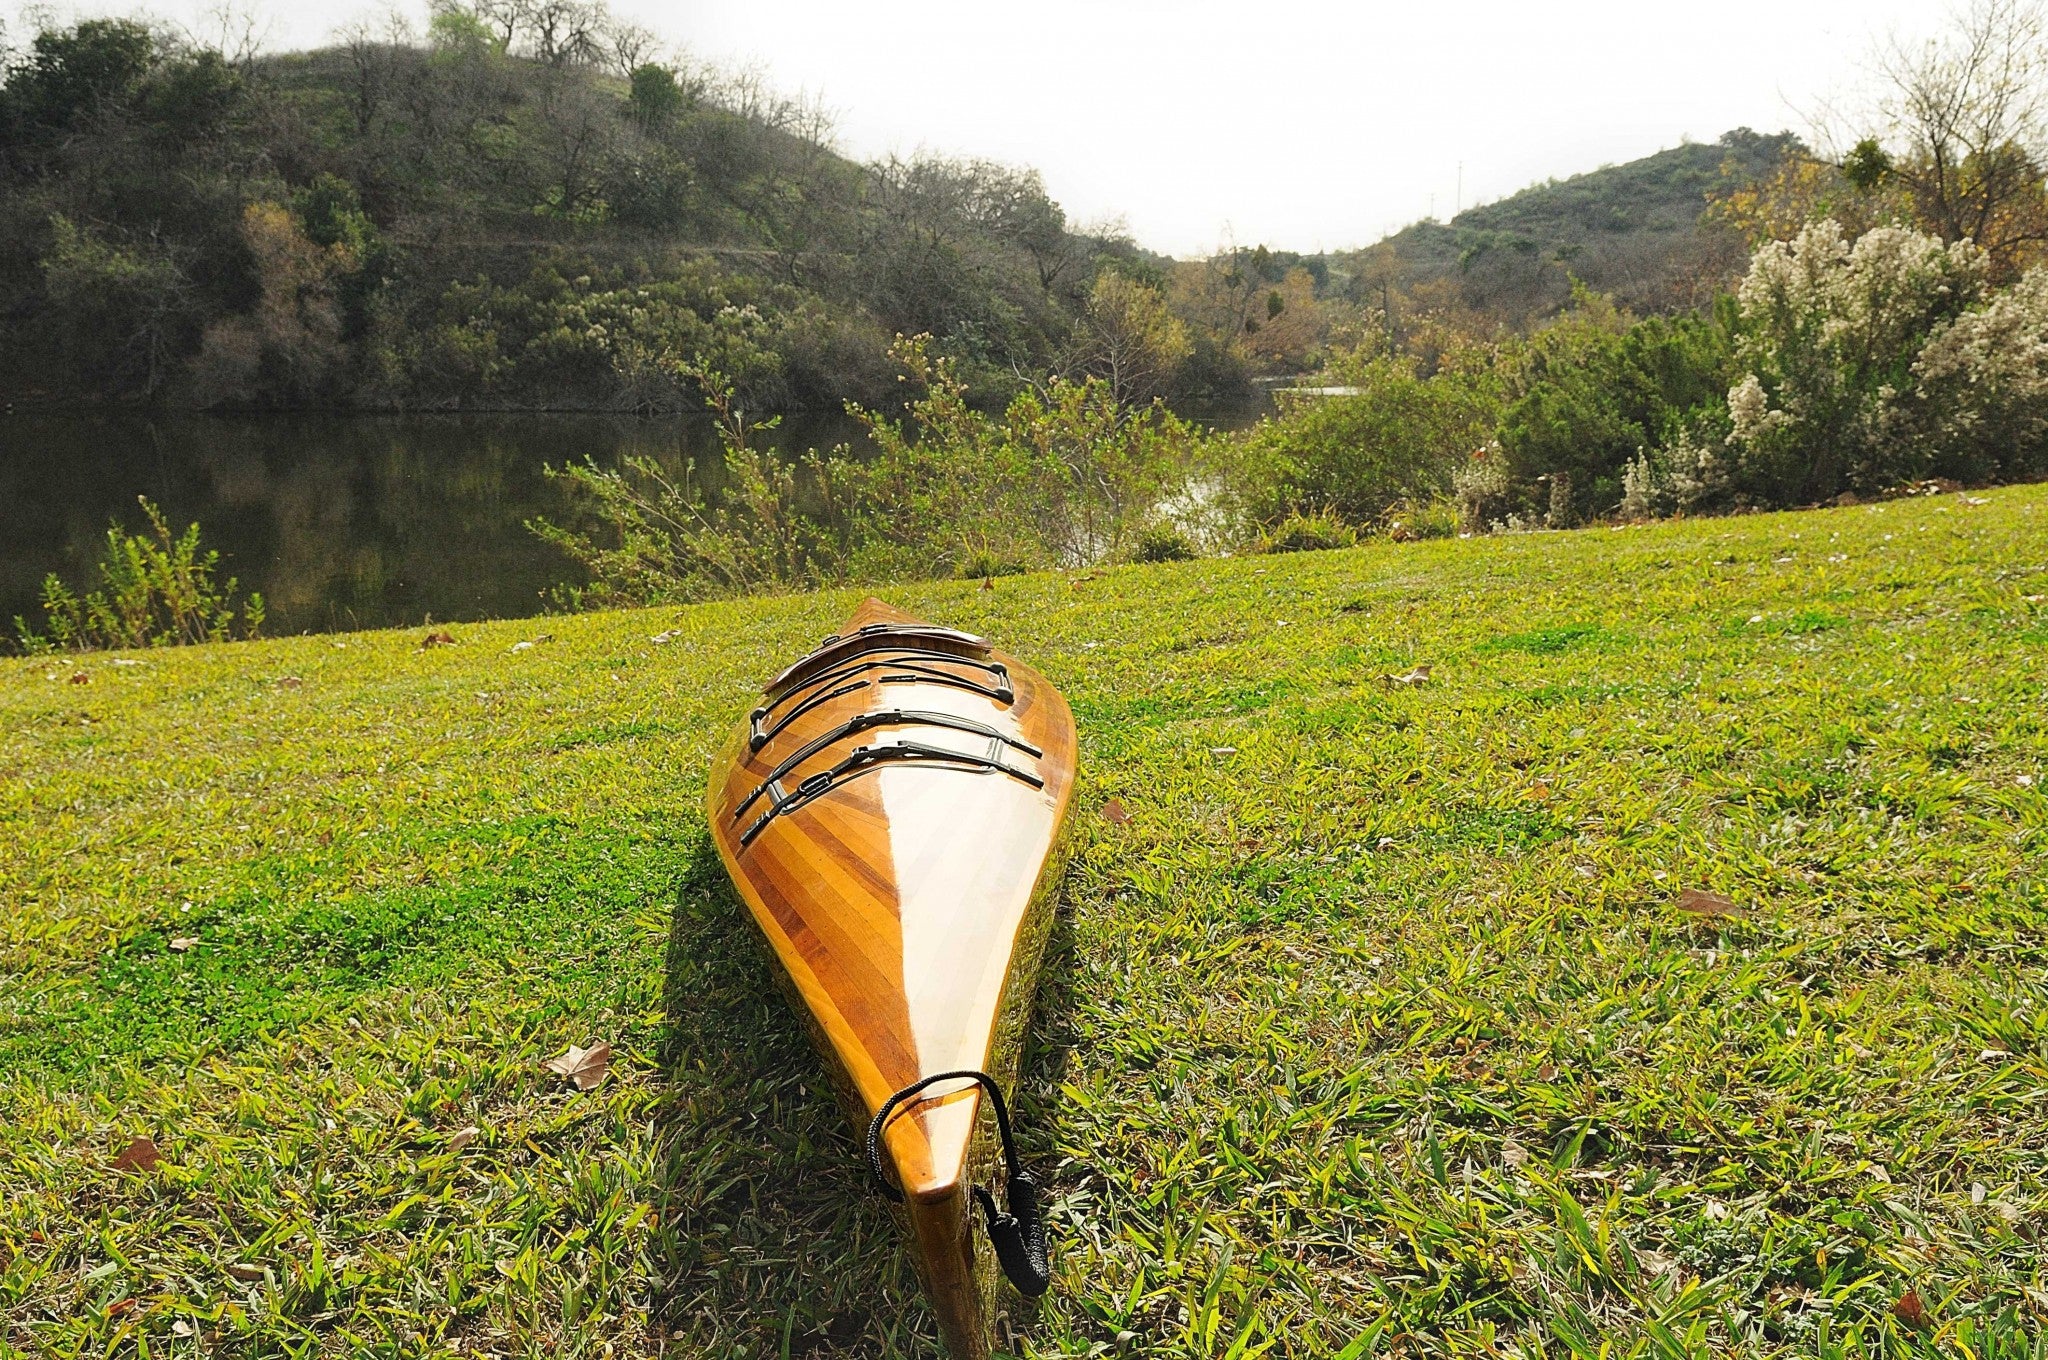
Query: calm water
{"x": 342, "y": 521}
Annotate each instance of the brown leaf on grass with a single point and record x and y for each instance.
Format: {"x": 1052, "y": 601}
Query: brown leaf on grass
{"x": 183, "y": 943}
{"x": 290, "y": 682}
{"x": 246, "y": 1273}
{"x": 988, "y": 583}
{"x": 1114, "y": 813}
{"x": 1707, "y": 905}
{"x": 1417, "y": 676}
{"x": 438, "y": 638}
{"x": 584, "y": 1066}
{"x": 462, "y": 1138}
{"x": 1539, "y": 791}
{"x": 139, "y": 1155}
{"x": 80, "y": 678}
{"x": 1910, "y": 1310}
{"x": 122, "y": 1309}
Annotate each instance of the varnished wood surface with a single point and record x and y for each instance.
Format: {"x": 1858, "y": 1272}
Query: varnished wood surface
{"x": 908, "y": 907}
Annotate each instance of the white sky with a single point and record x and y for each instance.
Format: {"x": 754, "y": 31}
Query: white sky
{"x": 1297, "y": 123}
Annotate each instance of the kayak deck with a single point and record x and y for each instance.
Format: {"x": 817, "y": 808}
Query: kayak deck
{"x": 889, "y": 814}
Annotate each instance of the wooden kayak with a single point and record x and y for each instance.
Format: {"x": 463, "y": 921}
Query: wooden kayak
{"x": 891, "y": 815}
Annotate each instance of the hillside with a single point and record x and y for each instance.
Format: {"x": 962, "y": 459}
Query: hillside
{"x": 1632, "y": 230}
{"x": 485, "y": 217}
{"x": 1387, "y": 1011}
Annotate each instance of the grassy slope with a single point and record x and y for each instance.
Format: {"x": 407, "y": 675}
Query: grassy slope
{"x": 1378, "y": 1014}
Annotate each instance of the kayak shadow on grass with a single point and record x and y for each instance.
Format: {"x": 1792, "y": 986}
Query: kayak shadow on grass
{"x": 771, "y": 1240}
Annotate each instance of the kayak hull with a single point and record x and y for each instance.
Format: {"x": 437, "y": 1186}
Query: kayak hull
{"x": 907, "y": 895}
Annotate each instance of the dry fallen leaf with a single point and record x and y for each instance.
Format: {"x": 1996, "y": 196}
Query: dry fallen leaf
{"x": 584, "y": 1066}
{"x": 439, "y": 638}
{"x": 664, "y": 638}
{"x": 183, "y": 943}
{"x": 122, "y": 1309}
{"x": 290, "y": 682}
{"x": 1418, "y": 676}
{"x": 80, "y": 678}
{"x": 139, "y": 1155}
{"x": 462, "y": 1138}
{"x": 1699, "y": 902}
{"x": 1113, "y": 812}
{"x": 1540, "y": 790}
{"x": 1910, "y": 1310}
{"x": 243, "y": 1271}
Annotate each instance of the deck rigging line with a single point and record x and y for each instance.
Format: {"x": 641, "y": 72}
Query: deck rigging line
{"x": 865, "y": 758}
{"x": 885, "y": 717}
{"x": 912, "y": 667}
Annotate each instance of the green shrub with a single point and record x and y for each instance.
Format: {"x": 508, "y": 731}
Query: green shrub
{"x": 1590, "y": 392}
{"x": 1410, "y": 518}
{"x": 984, "y": 566}
{"x": 1309, "y": 533}
{"x": 1397, "y": 437}
{"x": 1063, "y": 477}
{"x": 159, "y": 591}
{"x": 1164, "y": 543}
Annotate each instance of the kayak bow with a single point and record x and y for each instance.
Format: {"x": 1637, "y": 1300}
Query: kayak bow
{"x": 890, "y": 813}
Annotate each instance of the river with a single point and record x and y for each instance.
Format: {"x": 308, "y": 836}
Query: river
{"x": 341, "y": 521}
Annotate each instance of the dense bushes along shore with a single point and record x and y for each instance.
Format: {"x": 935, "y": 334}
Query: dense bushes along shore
{"x": 1837, "y": 370}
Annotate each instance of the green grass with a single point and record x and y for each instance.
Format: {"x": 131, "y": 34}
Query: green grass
{"x": 1377, "y": 1029}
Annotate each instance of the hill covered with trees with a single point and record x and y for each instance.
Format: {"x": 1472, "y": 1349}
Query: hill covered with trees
{"x": 1642, "y": 233}
{"x": 527, "y": 206}
{"x": 522, "y": 206}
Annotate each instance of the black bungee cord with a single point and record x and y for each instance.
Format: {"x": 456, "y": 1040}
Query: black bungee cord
{"x": 1019, "y": 1235}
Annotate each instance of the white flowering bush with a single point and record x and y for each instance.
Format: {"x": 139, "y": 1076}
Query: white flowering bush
{"x": 1831, "y": 337}
{"x": 1980, "y": 408}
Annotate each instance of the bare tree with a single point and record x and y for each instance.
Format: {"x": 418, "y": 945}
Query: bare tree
{"x": 1966, "y": 121}
{"x": 628, "y": 47}
{"x": 568, "y": 32}
{"x": 370, "y": 77}
{"x": 237, "y": 31}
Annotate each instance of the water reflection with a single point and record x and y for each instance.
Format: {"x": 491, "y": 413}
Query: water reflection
{"x": 341, "y": 521}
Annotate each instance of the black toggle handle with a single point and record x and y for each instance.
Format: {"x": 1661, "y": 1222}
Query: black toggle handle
{"x": 1019, "y": 1235}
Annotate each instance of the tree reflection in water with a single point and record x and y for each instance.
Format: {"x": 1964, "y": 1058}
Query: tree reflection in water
{"x": 342, "y": 521}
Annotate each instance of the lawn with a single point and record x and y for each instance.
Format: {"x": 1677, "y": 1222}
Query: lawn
{"x": 1391, "y": 1019}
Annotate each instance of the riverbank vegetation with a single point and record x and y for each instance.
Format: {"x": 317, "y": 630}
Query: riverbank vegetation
{"x": 1837, "y": 371}
{"x": 155, "y": 589}
{"x": 1886, "y": 331}
{"x": 1659, "y": 972}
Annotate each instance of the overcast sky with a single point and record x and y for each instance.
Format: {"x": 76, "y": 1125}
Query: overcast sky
{"x": 1291, "y": 122}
